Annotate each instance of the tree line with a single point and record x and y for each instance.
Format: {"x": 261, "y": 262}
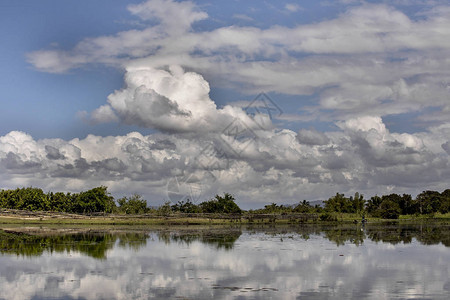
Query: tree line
{"x": 34, "y": 199}
{"x": 99, "y": 200}
{"x": 391, "y": 206}
{"x": 387, "y": 206}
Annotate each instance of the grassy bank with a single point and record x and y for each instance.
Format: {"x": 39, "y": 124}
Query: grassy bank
{"x": 27, "y": 217}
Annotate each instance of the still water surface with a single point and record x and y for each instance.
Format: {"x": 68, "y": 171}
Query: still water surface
{"x": 299, "y": 262}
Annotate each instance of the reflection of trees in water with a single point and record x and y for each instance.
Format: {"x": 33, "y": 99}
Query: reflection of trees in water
{"x": 392, "y": 234}
{"x": 96, "y": 244}
{"x": 91, "y": 244}
{"x": 132, "y": 240}
{"x": 220, "y": 239}
{"x": 341, "y": 234}
{"x": 434, "y": 235}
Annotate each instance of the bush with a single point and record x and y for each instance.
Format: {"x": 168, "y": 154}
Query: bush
{"x": 328, "y": 217}
{"x": 186, "y": 207}
{"x": 132, "y": 205}
{"x": 389, "y": 210}
{"x": 220, "y": 204}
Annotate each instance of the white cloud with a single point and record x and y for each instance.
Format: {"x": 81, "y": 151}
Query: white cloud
{"x": 370, "y": 59}
{"x": 277, "y": 164}
{"x": 103, "y": 114}
{"x": 175, "y": 17}
{"x": 173, "y": 101}
{"x": 292, "y": 7}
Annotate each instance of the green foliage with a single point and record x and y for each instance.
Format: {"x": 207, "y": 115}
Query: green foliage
{"x": 404, "y": 203}
{"x": 94, "y": 200}
{"x": 25, "y": 199}
{"x": 165, "y": 209}
{"x": 59, "y": 202}
{"x": 327, "y": 216}
{"x": 303, "y": 207}
{"x": 34, "y": 199}
{"x": 431, "y": 202}
{"x": 391, "y": 206}
{"x": 373, "y": 204}
{"x": 274, "y": 208}
{"x": 339, "y": 203}
{"x": 221, "y": 204}
{"x": 357, "y": 203}
{"x": 389, "y": 209}
{"x": 98, "y": 200}
{"x": 132, "y": 205}
{"x": 186, "y": 207}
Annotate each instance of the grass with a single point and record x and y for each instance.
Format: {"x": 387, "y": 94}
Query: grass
{"x": 112, "y": 221}
{"x": 57, "y": 219}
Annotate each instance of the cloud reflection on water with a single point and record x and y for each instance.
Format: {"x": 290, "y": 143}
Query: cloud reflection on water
{"x": 259, "y": 264}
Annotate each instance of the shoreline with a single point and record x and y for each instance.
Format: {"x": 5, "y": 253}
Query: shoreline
{"x": 45, "y": 218}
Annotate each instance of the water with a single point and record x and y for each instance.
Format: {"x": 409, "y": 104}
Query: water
{"x": 301, "y": 262}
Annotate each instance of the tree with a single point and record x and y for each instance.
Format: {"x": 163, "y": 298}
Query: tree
{"x": 407, "y": 205}
{"x": 165, "y": 209}
{"x": 59, "y": 202}
{"x": 303, "y": 207}
{"x": 186, "y": 207}
{"x": 357, "y": 202}
{"x": 221, "y": 204}
{"x": 429, "y": 202}
{"x": 339, "y": 203}
{"x": 24, "y": 198}
{"x": 132, "y": 205}
{"x": 95, "y": 200}
{"x": 445, "y": 201}
{"x": 373, "y": 204}
{"x": 389, "y": 209}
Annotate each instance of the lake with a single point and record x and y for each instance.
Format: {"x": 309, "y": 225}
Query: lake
{"x": 388, "y": 261}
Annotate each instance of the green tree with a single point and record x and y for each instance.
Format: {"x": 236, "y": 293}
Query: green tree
{"x": 95, "y": 200}
{"x": 186, "y": 207}
{"x": 339, "y": 203}
{"x": 59, "y": 202}
{"x": 357, "y": 203}
{"x": 24, "y": 198}
{"x": 445, "y": 201}
{"x": 429, "y": 202}
{"x": 165, "y": 209}
{"x": 303, "y": 207}
{"x": 373, "y": 204}
{"x": 407, "y": 205}
{"x": 389, "y": 209}
{"x": 132, "y": 205}
{"x": 221, "y": 204}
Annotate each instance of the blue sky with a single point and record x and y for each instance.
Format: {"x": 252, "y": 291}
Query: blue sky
{"x": 31, "y": 25}
{"x": 129, "y": 93}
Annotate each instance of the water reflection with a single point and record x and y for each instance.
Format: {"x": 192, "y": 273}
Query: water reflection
{"x": 93, "y": 244}
{"x": 308, "y": 262}
{"x": 222, "y": 238}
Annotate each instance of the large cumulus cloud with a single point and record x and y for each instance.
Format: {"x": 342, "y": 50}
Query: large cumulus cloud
{"x": 170, "y": 100}
{"x": 361, "y": 156}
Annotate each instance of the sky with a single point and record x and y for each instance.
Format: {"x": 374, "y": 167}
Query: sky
{"x": 271, "y": 101}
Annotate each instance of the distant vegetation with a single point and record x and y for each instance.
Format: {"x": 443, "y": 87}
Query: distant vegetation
{"x": 98, "y": 200}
